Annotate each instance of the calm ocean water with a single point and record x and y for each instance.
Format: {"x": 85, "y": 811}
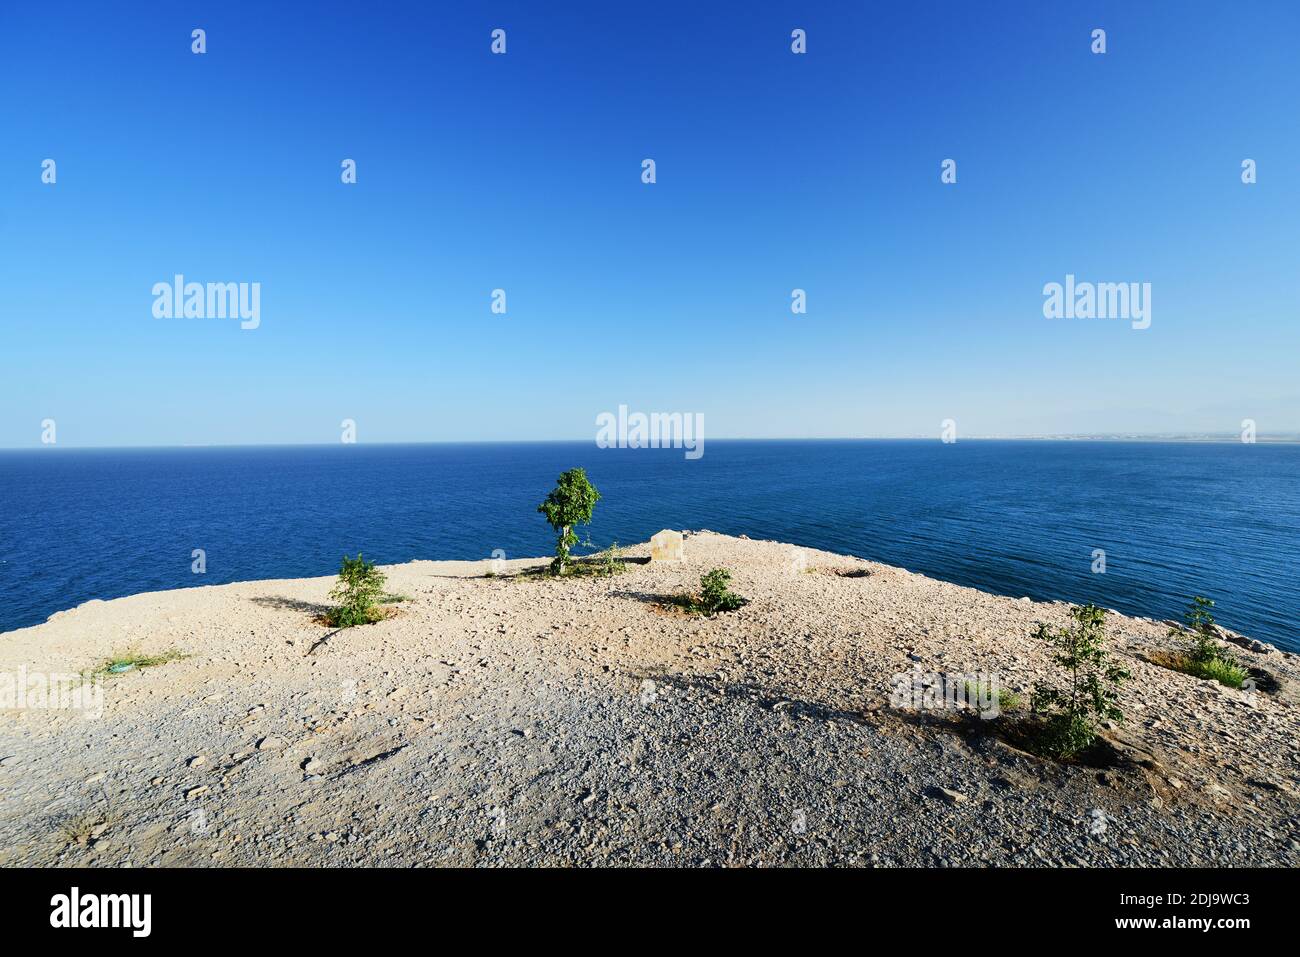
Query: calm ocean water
{"x": 1016, "y": 518}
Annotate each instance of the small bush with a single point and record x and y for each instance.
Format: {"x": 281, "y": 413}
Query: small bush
{"x": 1204, "y": 656}
{"x": 359, "y": 591}
{"x": 611, "y": 561}
{"x": 1071, "y": 715}
{"x": 1065, "y": 735}
{"x": 1199, "y": 626}
{"x": 714, "y": 596}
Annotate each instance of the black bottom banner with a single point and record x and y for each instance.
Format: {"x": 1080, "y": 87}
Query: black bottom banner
{"x": 174, "y": 906}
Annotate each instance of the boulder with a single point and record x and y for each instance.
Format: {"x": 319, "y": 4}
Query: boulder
{"x": 666, "y": 546}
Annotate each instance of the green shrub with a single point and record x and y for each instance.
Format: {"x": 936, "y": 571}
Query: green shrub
{"x": 1092, "y": 684}
{"x": 611, "y": 561}
{"x": 359, "y": 591}
{"x": 1065, "y": 735}
{"x": 1200, "y": 628}
{"x": 715, "y": 596}
{"x": 570, "y": 503}
{"x": 1205, "y": 657}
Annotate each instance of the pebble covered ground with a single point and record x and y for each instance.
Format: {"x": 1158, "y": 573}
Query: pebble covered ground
{"x": 502, "y": 721}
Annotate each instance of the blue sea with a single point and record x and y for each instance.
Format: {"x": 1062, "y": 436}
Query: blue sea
{"x": 1014, "y": 518}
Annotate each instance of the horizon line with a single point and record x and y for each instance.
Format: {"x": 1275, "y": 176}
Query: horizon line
{"x": 1184, "y": 437}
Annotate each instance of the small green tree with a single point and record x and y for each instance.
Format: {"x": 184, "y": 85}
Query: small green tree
{"x": 358, "y": 591}
{"x": 715, "y": 594}
{"x": 570, "y": 503}
{"x": 1073, "y": 712}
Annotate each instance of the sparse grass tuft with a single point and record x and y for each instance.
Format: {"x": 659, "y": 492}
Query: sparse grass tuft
{"x": 1008, "y": 700}
{"x": 81, "y": 829}
{"x": 603, "y": 564}
{"x": 1227, "y": 673}
{"x": 133, "y": 661}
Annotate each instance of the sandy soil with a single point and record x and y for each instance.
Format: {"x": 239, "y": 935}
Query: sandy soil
{"x": 502, "y": 721}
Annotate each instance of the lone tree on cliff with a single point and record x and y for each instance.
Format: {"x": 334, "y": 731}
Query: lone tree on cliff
{"x": 570, "y": 503}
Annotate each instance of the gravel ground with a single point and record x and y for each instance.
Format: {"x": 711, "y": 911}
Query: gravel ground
{"x": 495, "y": 721}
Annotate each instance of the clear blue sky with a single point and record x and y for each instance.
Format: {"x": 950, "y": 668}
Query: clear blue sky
{"x": 522, "y": 171}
